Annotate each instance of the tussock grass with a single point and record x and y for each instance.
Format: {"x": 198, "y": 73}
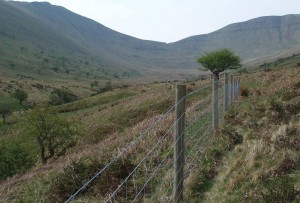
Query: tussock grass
{"x": 262, "y": 164}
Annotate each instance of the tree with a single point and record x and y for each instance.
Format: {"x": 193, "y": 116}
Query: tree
{"x": 53, "y": 134}
{"x": 219, "y": 61}
{"x": 5, "y": 110}
{"x": 20, "y": 95}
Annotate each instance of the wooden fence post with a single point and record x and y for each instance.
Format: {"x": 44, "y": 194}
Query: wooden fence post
{"x": 179, "y": 142}
{"x": 226, "y": 92}
{"x": 231, "y": 89}
{"x": 215, "y": 100}
{"x": 239, "y": 87}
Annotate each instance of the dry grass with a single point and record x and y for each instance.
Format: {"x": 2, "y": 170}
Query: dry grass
{"x": 264, "y": 145}
{"x": 107, "y": 126}
{"x": 269, "y": 153}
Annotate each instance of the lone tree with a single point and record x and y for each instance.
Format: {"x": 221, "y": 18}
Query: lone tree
{"x": 53, "y": 134}
{"x": 219, "y": 61}
{"x": 20, "y": 95}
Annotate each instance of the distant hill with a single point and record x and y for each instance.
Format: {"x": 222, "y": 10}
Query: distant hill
{"x": 254, "y": 39}
{"x": 51, "y": 41}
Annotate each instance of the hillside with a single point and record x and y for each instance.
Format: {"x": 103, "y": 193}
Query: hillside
{"x": 254, "y": 39}
{"x": 256, "y": 157}
{"x": 50, "y": 41}
{"x": 256, "y": 152}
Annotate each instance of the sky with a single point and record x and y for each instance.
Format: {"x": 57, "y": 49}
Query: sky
{"x": 173, "y": 20}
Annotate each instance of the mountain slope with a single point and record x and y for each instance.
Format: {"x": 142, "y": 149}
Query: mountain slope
{"x": 38, "y": 37}
{"x": 32, "y": 39}
{"x": 252, "y": 39}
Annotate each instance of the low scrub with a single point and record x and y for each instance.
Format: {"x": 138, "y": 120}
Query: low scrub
{"x": 14, "y": 159}
{"x": 75, "y": 175}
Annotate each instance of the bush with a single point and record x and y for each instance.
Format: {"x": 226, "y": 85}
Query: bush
{"x": 54, "y": 135}
{"x": 75, "y": 175}
{"x": 245, "y": 92}
{"x": 13, "y": 159}
{"x": 60, "y": 96}
{"x": 20, "y": 95}
{"x": 5, "y": 110}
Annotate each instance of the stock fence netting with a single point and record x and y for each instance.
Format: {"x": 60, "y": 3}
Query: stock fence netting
{"x": 151, "y": 175}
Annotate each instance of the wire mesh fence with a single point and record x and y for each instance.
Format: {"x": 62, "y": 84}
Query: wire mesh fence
{"x": 153, "y": 175}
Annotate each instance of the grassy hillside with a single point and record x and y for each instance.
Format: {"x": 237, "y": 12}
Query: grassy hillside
{"x": 47, "y": 49}
{"x": 255, "y": 158}
{"x": 265, "y": 166}
{"x": 105, "y": 122}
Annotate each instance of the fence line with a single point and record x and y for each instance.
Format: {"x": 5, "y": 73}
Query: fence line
{"x": 153, "y": 171}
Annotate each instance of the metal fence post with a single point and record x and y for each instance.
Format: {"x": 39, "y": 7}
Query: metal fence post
{"x": 226, "y": 88}
{"x": 179, "y": 142}
{"x": 215, "y": 108}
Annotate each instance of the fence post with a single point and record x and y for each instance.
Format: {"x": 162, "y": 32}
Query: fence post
{"x": 235, "y": 88}
{"x": 226, "y": 88}
{"x": 179, "y": 142}
{"x": 239, "y": 87}
{"x": 215, "y": 109}
{"x": 231, "y": 89}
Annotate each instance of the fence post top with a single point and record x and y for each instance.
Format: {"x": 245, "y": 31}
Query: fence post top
{"x": 181, "y": 85}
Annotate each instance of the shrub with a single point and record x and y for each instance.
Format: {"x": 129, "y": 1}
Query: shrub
{"x": 5, "y": 110}
{"x": 20, "y": 95}
{"x": 54, "y": 135}
{"x": 61, "y": 96}
{"x": 13, "y": 159}
{"x": 245, "y": 92}
{"x": 75, "y": 175}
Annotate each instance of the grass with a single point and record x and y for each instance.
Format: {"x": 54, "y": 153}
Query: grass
{"x": 257, "y": 159}
{"x": 107, "y": 121}
{"x": 259, "y": 138}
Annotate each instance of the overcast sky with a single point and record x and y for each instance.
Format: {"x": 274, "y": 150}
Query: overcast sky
{"x": 172, "y": 20}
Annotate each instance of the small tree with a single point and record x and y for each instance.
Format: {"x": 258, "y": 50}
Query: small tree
{"x": 20, "y": 95}
{"x": 5, "y": 110}
{"x": 219, "y": 61}
{"x": 54, "y": 135}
